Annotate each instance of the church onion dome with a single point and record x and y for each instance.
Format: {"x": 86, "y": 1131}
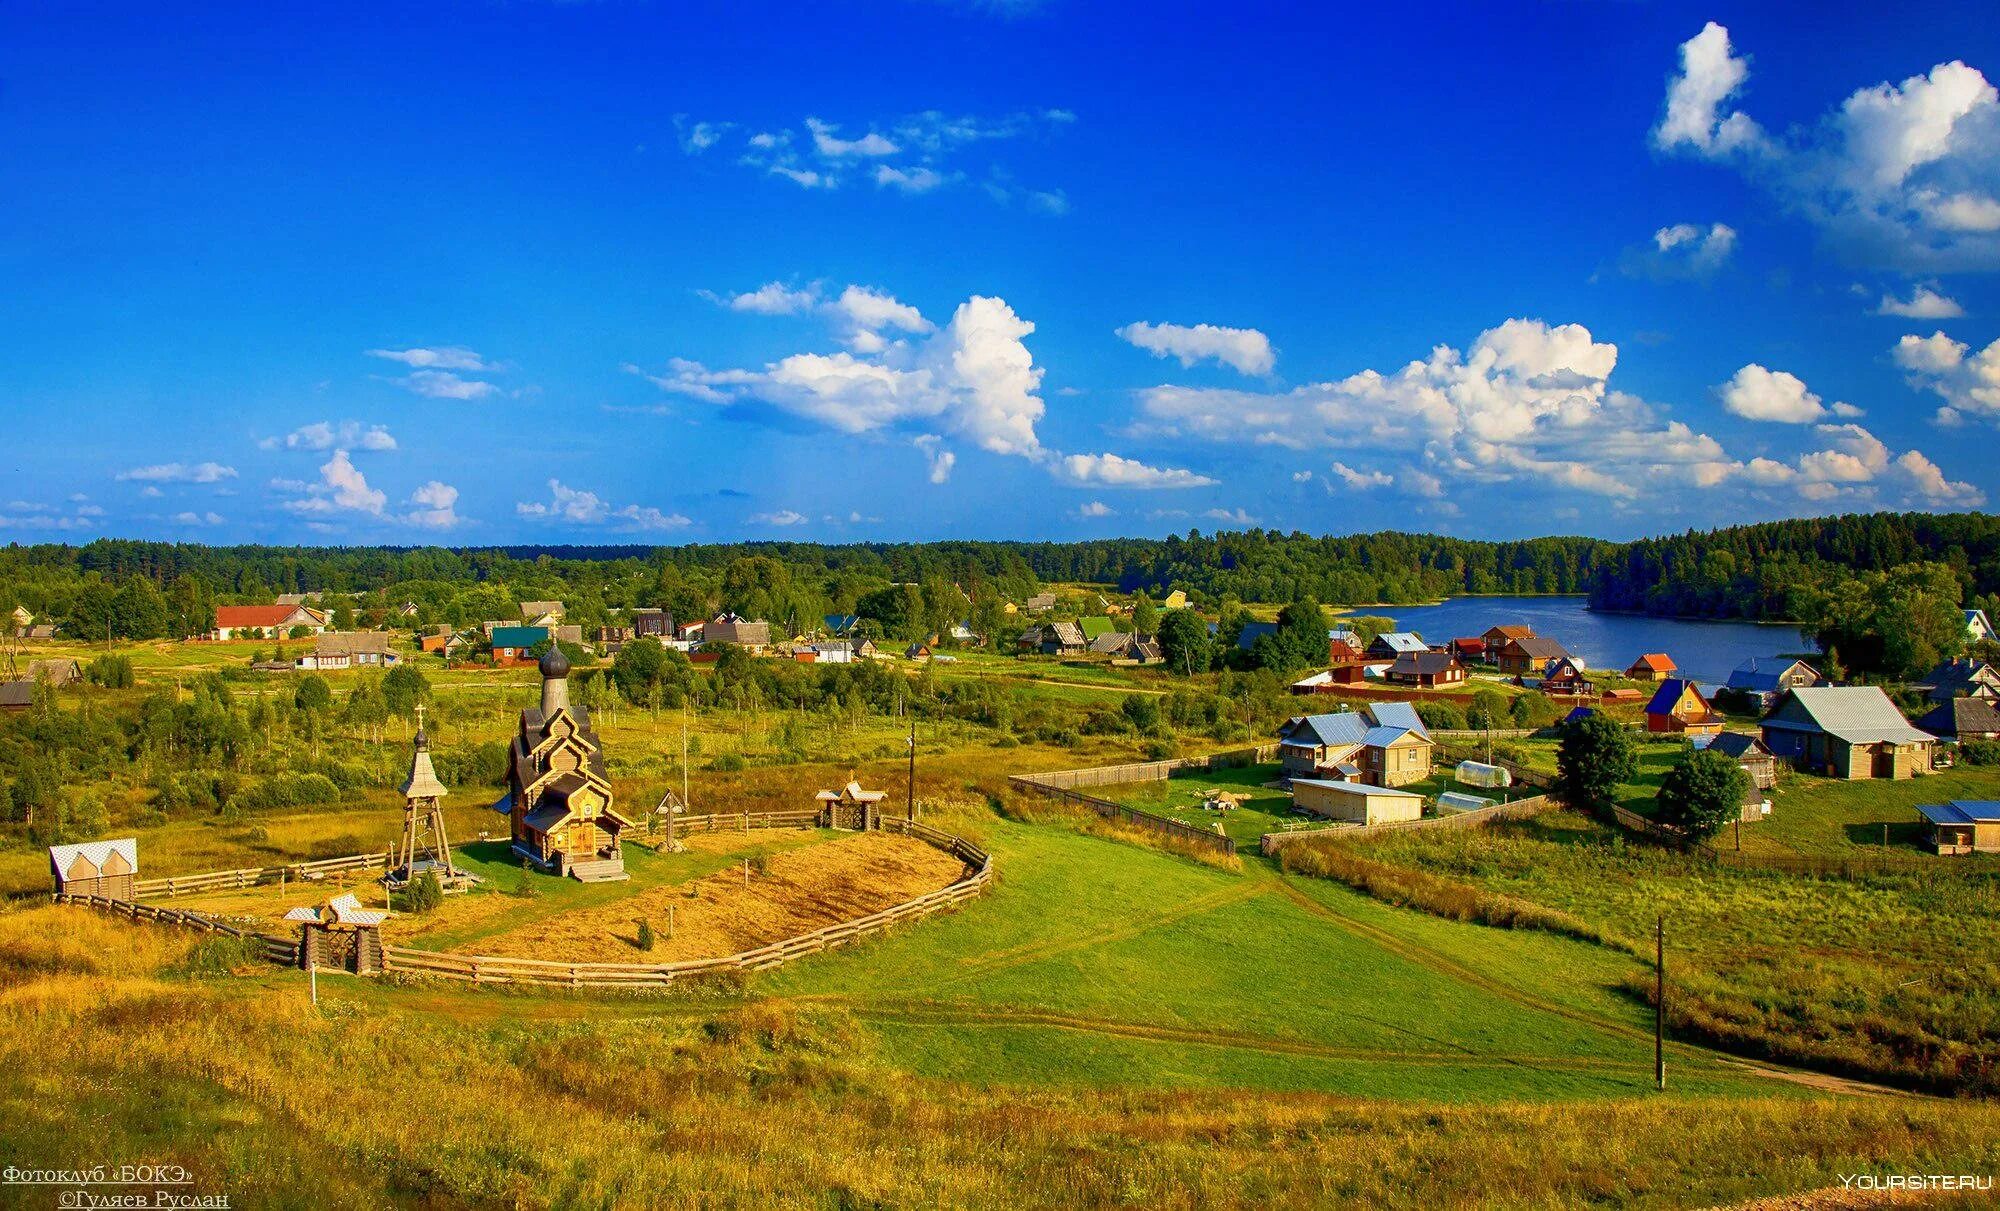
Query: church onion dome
{"x": 554, "y": 665}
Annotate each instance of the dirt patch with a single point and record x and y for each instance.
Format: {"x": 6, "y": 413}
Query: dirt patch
{"x": 798, "y": 892}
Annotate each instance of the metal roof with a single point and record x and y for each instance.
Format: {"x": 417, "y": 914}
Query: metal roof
{"x": 1857, "y": 714}
{"x": 1334, "y": 730}
{"x": 1356, "y": 788}
{"x": 518, "y": 637}
{"x": 1383, "y": 737}
{"x": 1962, "y": 811}
{"x": 1399, "y": 714}
{"x": 62, "y": 857}
{"x": 1403, "y": 641}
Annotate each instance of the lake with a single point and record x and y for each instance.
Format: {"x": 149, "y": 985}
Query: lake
{"x": 1705, "y": 651}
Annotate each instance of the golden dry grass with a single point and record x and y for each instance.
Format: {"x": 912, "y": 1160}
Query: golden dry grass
{"x": 799, "y": 891}
{"x": 384, "y": 1096}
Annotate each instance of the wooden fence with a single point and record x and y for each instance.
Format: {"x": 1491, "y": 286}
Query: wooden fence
{"x": 1521, "y": 809}
{"x": 1147, "y": 771}
{"x": 723, "y": 822}
{"x": 275, "y": 949}
{"x": 496, "y": 970}
{"x": 181, "y": 885}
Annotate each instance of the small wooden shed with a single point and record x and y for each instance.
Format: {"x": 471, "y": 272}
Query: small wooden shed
{"x": 1355, "y": 802}
{"x": 850, "y": 807}
{"x": 96, "y": 868}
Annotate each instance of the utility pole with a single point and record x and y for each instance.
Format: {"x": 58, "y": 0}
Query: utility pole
{"x": 1660, "y": 1002}
{"x": 910, "y": 798}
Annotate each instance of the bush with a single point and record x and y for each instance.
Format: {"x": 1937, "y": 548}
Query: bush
{"x": 1979, "y": 752}
{"x": 1441, "y": 715}
{"x": 425, "y": 894}
{"x": 287, "y": 790}
{"x": 646, "y": 940}
{"x": 727, "y": 763}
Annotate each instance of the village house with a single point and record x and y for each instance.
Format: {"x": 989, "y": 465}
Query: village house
{"x": 1355, "y": 802}
{"x": 58, "y": 672}
{"x": 832, "y": 651}
{"x": 437, "y": 639}
{"x": 920, "y": 650}
{"x": 1384, "y": 744}
{"x": 1062, "y": 639}
{"x": 349, "y": 650}
{"x": 1765, "y": 680}
{"x": 1498, "y": 637}
{"x": 1963, "y": 826}
{"x": 1678, "y": 708}
{"x": 1749, "y": 752}
{"x": 1527, "y": 655}
{"x": 1470, "y": 649}
{"x": 732, "y": 628}
{"x": 1652, "y": 666}
{"x": 1176, "y": 600}
{"x": 1041, "y": 603}
{"x": 611, "y": 638}
{"x": 1426, "y": 669}
{"x": 266, "y": 621}
{"x": 1385, "y": 649}
{"x": 1850, "y": 732}
{"x": 1564, "y": 677}
{"x": 96, "y": 868}
{"x": 21, "y": 618}
{"x": 648, "y": 620}
{"x": 1978, "y": 626}
{"x": 17, "y": 695}
{"x": 511, "y": 644}
{"x": 1961, "y": 679}
{"x": 541, "y": 613}
{"x": 561, "y": 813}
{"x": 1963, "y": 719}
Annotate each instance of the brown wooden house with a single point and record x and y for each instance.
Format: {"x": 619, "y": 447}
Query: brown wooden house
{"x": 1499, "y": 637}
{"x": 559, "y": 804}
{"x": 1427, "y": 669}
{"x": 1750, "y": 753}
{"x": 1528, "y": 655}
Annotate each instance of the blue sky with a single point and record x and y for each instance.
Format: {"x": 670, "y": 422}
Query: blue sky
{"x": 645, "y": 272}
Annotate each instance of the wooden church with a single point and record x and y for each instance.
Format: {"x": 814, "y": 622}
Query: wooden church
{"x": 558, "y": 802}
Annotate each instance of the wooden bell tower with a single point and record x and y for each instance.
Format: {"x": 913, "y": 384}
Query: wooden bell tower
{"x": 424, "y": 844}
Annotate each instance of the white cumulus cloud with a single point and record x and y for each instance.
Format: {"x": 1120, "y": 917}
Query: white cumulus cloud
{"x": 1924, "y": 303}
{"x": 1244, "y": 349}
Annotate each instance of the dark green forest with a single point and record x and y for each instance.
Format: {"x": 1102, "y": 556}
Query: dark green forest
{"x": 1772, "y": 570}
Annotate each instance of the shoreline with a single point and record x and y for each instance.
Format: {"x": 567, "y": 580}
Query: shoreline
{"x": 1423, "y": 605}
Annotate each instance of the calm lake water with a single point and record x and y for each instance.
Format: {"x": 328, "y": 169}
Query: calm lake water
{"x": 1705, "y": 651}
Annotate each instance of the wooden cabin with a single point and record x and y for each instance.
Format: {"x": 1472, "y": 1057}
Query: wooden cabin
{"x": 1678, "y": 708}
{"x": 1426, "y": 669}
{"x": 1652, "y": 666}
{"x": 1852, "y": 732}
{"x": 1355, "y": 803}
{"x": 1963, "y": 826}
{"x": 850, "y": 807}
{"x": 96, "y": 868}
{"x": 1564, "y": 678}
{"x": 1750, "y": 753}
{"x": 1528, "y": 655}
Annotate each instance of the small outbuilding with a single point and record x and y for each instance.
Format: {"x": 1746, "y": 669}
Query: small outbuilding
{"x": 96, "y": 868}
{"x": 850, "y": 807}
{"x": 1425, "y": 669}
{"x": 1749, "y": 752}
{"x": 1652, "y": 666}
{"x": 1355, "y": 802}
{"x": 1964, "y": 826}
